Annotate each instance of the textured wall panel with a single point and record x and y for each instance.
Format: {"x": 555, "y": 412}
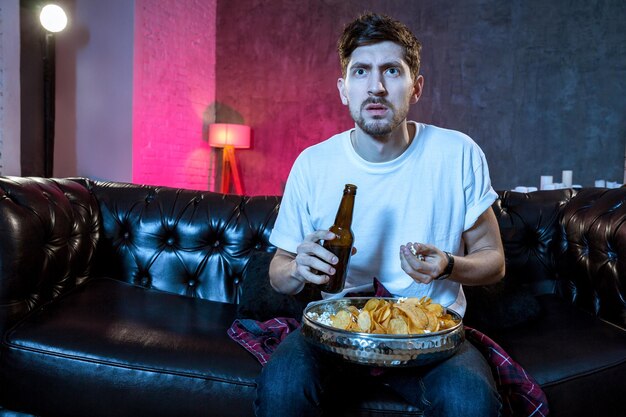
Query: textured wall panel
{"x": 174, "y": 89}
{"x": 539, "y": 85}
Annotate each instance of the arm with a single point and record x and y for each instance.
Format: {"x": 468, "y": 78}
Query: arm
{"x": 290, "y": 271}
{"x": 483, "y": 264}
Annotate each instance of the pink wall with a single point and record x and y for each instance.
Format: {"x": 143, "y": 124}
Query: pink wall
{"x": 173, "y": 92}
{"x": 277, "y": 71}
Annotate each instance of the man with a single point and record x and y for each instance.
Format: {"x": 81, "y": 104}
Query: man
{"x": 423, "y": 225}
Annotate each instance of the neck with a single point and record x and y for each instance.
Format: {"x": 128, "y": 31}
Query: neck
{"x": 383, "y": 148}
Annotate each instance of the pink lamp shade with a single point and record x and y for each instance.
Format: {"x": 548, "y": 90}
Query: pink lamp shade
{"x": 228, "y": 134}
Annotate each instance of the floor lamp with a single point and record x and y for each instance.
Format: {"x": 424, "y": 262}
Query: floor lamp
{"x": 53, "y": 19}
{"x": 229, "y": 137}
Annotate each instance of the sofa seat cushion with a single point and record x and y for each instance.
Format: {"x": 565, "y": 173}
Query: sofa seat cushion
{"x": 146, "y": 349}
{"x": 574, "y": 356}
{"x": 109, "y": 348}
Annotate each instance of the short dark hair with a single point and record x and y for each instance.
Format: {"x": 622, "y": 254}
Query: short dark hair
{"x": 370, "y": 28}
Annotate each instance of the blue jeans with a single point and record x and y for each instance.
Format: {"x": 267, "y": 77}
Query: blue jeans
{"x": 298, "y": 378}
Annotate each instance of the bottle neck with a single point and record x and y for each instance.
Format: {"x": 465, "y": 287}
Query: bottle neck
{"x": 344, "y": 213}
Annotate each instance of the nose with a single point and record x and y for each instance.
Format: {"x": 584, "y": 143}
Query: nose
{"x": 376, "y": 85}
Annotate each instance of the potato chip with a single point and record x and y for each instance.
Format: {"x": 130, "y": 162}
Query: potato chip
{"x": 406, "y": 316}
{"x": 433, "y": 321}
{"x": 386, "y": 313}
{"x": 435, "y": 308}
{"x": 398, "y": 326}
{"x": 417, "y": 319}
{"x": 364, "y": 321}
{"x": 355, "y": 311}
{"x": 342, "y": 319}
{"x": 371, "y": 304}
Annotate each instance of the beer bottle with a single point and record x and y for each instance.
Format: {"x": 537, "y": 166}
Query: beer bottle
{"x": 341, "y": 245}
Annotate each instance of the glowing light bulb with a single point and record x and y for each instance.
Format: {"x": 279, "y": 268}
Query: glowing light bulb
{"x": 53, "y": 18}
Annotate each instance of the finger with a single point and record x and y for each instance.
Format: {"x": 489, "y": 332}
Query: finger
{"x": 314, "y": 257}
{"x": 319, "y": 235}
{"x": 425, "y": 249}
{"x": 307, "y": 274}
{"x": 413, "y": 273}
{"x": 420, "y": 264}
{"x": 415, "y": 261}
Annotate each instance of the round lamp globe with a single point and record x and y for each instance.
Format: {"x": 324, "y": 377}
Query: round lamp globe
{"x": 53, "y": 18}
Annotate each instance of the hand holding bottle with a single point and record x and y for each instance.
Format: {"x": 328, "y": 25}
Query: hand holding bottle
{"x": 327, "y": 264}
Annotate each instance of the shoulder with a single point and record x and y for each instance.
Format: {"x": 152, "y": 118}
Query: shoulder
{"x": 450, "y": 142}
{"x": 436, "y": 133}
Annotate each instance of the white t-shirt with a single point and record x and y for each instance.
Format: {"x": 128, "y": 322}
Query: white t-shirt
{"x": 431, "y": 194}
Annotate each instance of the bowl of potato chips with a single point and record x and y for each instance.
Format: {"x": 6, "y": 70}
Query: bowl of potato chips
{"x": 384, "y": 331}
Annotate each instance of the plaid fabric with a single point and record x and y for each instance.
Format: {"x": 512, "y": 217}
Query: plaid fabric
{"x": 520, "y": 393}
{"x": 261, "y": 338}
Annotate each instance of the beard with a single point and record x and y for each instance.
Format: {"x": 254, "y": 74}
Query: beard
{"x": 379, "y": 127}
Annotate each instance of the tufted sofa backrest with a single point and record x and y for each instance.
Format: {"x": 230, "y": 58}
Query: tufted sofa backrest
{"x": 569, "y": 243}
{"x": 186, "y": 242}
{"x": 55, "y": 233}
{"x": 531, "y": 235}
{"x": 49, "y": 229}
{"x": 592, "y": 253}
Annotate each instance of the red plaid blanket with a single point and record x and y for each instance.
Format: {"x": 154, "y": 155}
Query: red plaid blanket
{"x": 521, "y": 394}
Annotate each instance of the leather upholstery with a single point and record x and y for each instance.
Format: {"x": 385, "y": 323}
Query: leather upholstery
{"x": 144, "y": 348}
{"x": 529, "y": 226}
{"x": 577, "y": 359}
{"x": 187, "y": 242}
{"x": 592, "y": 253}
{"x": 156, "y": 341}
{"x": 49, "y": 232}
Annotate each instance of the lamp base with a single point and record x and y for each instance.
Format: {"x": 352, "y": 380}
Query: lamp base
{"x": 229, "y": 167}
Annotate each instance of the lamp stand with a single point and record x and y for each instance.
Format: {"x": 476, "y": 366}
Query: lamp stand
{"x": 49, "y": 76}
{"x": 229, "y": 166}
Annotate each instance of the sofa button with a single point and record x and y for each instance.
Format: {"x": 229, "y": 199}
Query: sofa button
{"x": 191, "y": 283}
{"x": 257, "y": 246}
{"x": 216, "y": 243}
{"x": 170, "y": 241}
{"x": 144, "y": 281}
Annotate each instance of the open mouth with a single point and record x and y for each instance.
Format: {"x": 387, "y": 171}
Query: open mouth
{"x": 375, "y": 109}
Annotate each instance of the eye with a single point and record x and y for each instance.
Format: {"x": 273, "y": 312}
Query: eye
{"x": 360, "y": 72}
{"x": 394, "y": 72}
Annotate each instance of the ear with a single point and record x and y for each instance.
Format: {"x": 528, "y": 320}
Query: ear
{"x": 341, "y": 86}
{"x": 418, "y": 87}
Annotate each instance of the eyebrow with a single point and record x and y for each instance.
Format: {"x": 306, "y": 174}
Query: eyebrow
{"x": 387, "y": 64}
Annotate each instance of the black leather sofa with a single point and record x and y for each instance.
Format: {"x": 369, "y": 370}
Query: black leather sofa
{"x": 115, "y": 299}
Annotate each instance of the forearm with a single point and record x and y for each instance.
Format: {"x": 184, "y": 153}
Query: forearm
{"x": 282, "y": 270}
{"x": 485, "y": 266}
{"x": 484, "y": 262}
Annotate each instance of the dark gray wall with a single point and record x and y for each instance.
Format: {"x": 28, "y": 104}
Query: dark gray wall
{"x": 540, "y": 85}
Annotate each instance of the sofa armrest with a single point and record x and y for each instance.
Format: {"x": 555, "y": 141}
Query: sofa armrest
{"x": 591, "y": 258}
{"x": 49, "y": 230}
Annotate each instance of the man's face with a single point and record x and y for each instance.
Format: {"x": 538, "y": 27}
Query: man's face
{"x": 378, "y": 88}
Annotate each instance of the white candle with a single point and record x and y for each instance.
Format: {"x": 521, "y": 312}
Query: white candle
{"x": 545, "y": 180}
{"x": 567, "y": 178}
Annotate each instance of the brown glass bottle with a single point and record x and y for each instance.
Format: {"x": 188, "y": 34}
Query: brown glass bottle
{"x": 341, "y": 245}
